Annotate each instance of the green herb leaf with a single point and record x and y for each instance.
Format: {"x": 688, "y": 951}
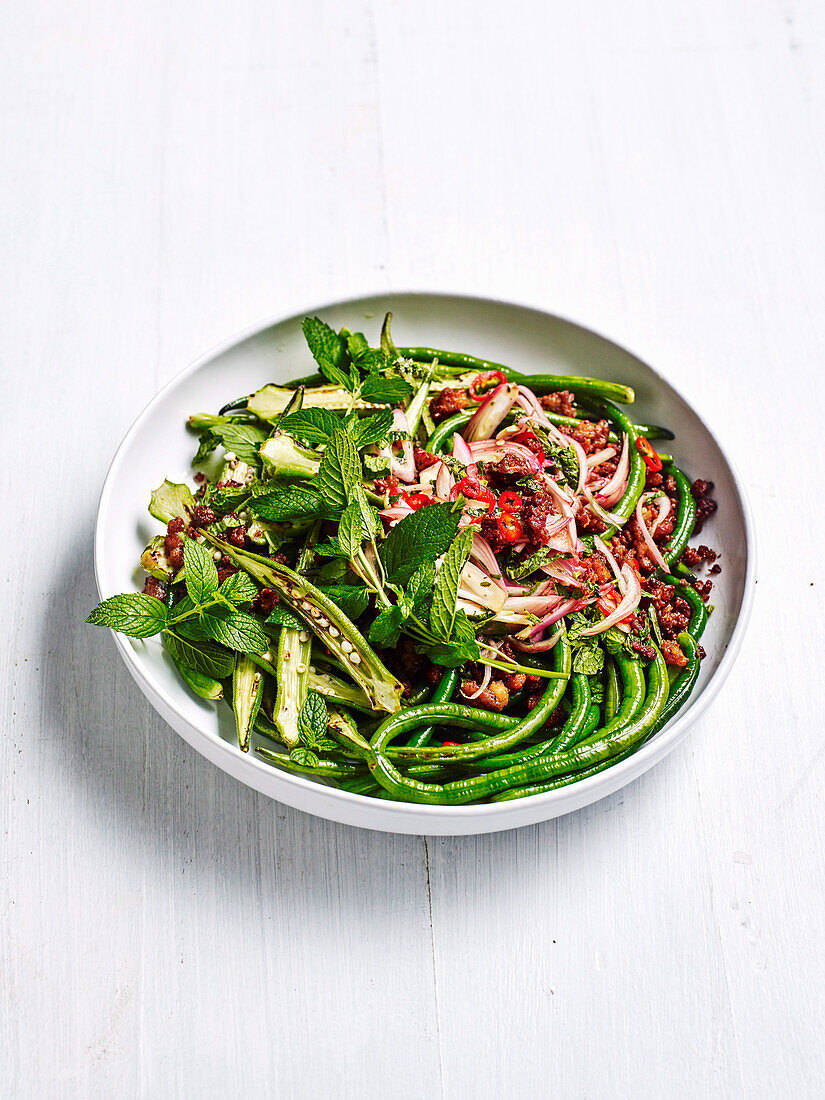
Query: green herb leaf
{"x": 132, "y": 613}
{"x": 350, "y": 531}
{"x": 313, "y": 719}
{"x": 304, "y": 758}
{"x": 237, "y": 630}
{"x": 244, "y": 440}
{"x": 386, "y": 629}
{"x": 311, "y": 426}
{"x": 206, "y": 657}
{"x": 340, "y": 470}
{"x": 462, "y": 648}
{"x": 353, "y": 599}
{"x": 327, "y": 351}
{"x": 372, "y": 429}
{"x": 201, "y": 576}
{"x": 419, "y": 589}
{"x": 531, "y": 564}
{"x": 445, "y": 594}
{"x": 378, "y": 465}
{"x": 422, "y": 536}
{"x": 357, "y": 346}
{"x": 282, "y": 616}
{"x": 239, "y": 588}
{"x": 324, "y": 342}
{"x": 287, "y": 503}
{"x": 385, "y": 391}
{"x": 589, "y": 659}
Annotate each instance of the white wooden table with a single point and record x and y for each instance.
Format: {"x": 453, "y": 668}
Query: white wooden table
{"x": 172, "y": 172}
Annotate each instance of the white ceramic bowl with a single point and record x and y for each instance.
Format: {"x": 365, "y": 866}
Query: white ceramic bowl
{"x": 158, "y": 445}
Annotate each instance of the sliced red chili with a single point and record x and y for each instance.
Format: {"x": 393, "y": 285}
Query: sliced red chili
{"x": 509, "y": 526}
{"x": 416, "y": 500}
{"x": 485, "y": 381}
{"x": 649, "y": 456}
{"x": 510, "y": 501}
{"x": 472, "y": 489}
{"x": 449, "y": 744}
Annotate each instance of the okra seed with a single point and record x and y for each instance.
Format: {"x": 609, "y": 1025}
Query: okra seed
{"x": 257, "y": 677}
{"x": 346, "y": 646}
{"x": 312, "y": 669}
{"x": 303, "y": 636}
{"x": 306, "y": 606}
{"x": 333, "y": 632}
{"x": 323, "y": 622}
{"x": 355, "y": 659}
{"x": 302, "y": 667}
{"x": 217, "y": 554}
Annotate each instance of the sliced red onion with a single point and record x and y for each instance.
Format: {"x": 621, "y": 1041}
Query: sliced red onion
{"x": 482, "y": 552}
{"x": 537, "y": 647}
{"x": 403, "y": 468}
{"x": 532, "y": 605}
{"x": 395, "y": 511}
{"x": 581, "y": 459}
{"x": 665, "y": 504}
{"x": 557, "y": 613}
{"x": 602, "y": 513}
{"x": 485, "y": 681}
{"x": 477, "y": 585}
{"x": 612, "y": 491}
{"x": 487, "y": 449}
{"x": 628, "y": 604}
{"x": 491, "y": 412}
{"x": 460, "y": 450}
{"x": 601, "y": 456}
{"x": 444, "y": 482}
{"x": 655, "y": 552}
{"x": 607, "y": 553}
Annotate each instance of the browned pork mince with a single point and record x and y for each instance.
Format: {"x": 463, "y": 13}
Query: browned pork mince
{"x": 448, "y": 403}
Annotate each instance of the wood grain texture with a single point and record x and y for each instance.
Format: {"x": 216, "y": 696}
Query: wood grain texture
{"x": 172, "y": 172}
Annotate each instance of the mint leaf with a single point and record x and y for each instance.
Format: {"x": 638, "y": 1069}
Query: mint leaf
{"x": 419, "y": 588}
{"x": 244, "y": 440}
{"x": 461, "y": 649}
{"x": 589, "y": 659}
{"x": 237, "y": 630}
{"x": 287, "y": 503}
{"x": 324, "y": 342}
{"x": 132, "y": 613}
{"x": 385, "y": 391}
{"x": 386, "y": 629}
{"x": 206, "y": 657}
{"x": 531, "y": 564}
{"x": 378, "y": 465}
{"x": 340, "y": 470}
{"x": 313, "y": 719}
{"x": 445, "y": 594}
{"x": 201, "y": 576}
{"x": 229, "y": 499}
{"x": 327, "y": 351}
{"x": 357, "y": 346}
{"x": 239, "y": 588}
{"x": 349, "y": 531}
{"x": 353, "y": 599}
{"x": 304, "y": 758}
{"x": 311, "y": 426}
{"x": 372, "y": 429}
{"x": 422, "y": 536}
{"x": 282, "y": 616}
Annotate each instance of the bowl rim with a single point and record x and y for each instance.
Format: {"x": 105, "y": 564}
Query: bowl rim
{"x": 622, "y": 773}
